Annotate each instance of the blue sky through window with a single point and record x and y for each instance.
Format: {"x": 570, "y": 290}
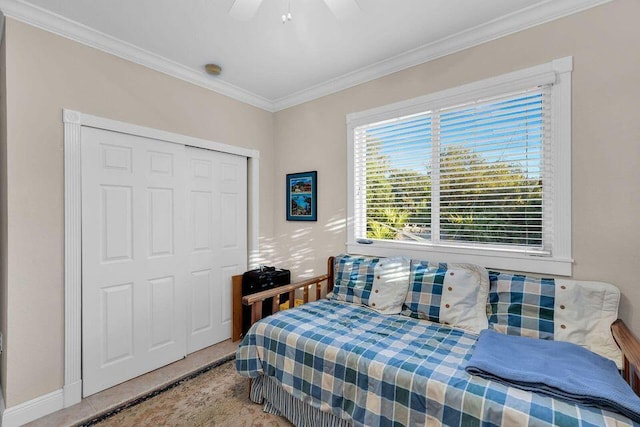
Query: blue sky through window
{"x": 508, "y": 131}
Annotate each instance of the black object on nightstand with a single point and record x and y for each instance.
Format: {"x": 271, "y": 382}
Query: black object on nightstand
{"x": 259, "y": 280}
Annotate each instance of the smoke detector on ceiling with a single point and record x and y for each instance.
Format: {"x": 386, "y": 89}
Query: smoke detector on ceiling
{"x": 213, "y": 69}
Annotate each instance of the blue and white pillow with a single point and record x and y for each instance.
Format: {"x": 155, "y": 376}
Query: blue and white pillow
{"x": 579, "y": 312}
{"x": 521, "y": 305}
{"x": 380, "y": 284}
{"x": 425, "y": 290}
{"x": 453, "y": 294}
{"x": 353, "y": 278}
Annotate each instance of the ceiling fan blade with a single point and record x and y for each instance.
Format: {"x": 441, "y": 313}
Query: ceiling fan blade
{"x": 343, "y": 8}
{"x": 243, "y": 10}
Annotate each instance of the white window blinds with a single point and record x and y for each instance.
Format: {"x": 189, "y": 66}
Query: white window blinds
{"x": 474, "y": 174}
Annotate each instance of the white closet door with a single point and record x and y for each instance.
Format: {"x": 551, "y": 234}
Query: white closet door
{"x": 216, "y": 239}
{"x": 133, "y": 255}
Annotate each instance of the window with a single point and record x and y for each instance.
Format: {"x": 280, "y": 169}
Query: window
{"x": 479, "y": 173}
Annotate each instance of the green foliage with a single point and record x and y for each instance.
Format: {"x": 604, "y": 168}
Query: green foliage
{"x": 395, "y": 197}
{"x": 392, "y": 221}
{"x": 480, "y": 201}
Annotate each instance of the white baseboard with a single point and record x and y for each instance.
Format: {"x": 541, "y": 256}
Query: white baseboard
{"x": 72, "y": 394}
{"x": 33, "y": 409}
{"x": 1, "y": 406}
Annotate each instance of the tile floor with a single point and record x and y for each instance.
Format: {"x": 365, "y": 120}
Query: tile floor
{"x": 132, "y": 389}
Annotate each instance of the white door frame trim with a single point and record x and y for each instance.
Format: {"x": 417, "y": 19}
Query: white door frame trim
{"x": 73, "y": 122}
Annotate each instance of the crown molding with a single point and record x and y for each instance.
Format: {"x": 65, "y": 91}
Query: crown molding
{"x": 500, "y": 27}
{"x": 497, "y": 28}
{"x": 57, "y": 24}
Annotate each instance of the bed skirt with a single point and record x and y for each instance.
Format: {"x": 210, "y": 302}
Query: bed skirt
{"x": 279, "y": 402}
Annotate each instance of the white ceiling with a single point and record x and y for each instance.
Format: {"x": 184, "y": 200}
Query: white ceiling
{"x": 275, "y": 65}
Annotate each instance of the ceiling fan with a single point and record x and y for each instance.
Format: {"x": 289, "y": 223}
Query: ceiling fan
{"x": 243, "y": 10}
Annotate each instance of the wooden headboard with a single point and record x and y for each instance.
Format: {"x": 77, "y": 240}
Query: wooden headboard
{"x": 630, "y": 347}
{"x": 331, "y": 279}
{"x": 324, "y": 280}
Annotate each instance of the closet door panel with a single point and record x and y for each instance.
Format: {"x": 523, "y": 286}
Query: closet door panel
{"x": 134, "y": 276}
{"x": 217, "y": 232}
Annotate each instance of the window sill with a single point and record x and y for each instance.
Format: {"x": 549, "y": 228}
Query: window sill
{"x": 489, "y": 258}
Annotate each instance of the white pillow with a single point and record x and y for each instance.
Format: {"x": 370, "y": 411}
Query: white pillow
{"x": 464, "y": 297}
{"x": 583, "y": 314}
{"x": 390, "y": 285}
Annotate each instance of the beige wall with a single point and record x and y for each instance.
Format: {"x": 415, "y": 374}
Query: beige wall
{"x": 44, "y": 74}
{"x": 606, "y": 141}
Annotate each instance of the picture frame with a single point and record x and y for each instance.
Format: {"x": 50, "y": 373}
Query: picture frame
{"x": 302, "y": 196}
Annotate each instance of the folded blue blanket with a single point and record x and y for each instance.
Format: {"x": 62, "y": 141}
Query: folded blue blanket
{"x": 555, "y": 368}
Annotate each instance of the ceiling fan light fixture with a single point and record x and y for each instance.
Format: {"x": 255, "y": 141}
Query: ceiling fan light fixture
{"x": 244, "y": 10}
{"x": 213, "y": 69}
{"x": 287, "y": 16}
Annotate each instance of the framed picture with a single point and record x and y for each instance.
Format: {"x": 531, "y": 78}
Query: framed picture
{"x": 302, "y": 196}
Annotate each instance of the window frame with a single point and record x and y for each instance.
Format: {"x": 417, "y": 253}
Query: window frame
{"x": 560, "y": 261}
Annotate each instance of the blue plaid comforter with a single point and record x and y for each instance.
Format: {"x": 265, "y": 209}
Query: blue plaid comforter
{"x": 379, "y": 370}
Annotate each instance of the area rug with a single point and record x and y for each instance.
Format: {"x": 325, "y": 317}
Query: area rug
{"x": 216, "y": 396}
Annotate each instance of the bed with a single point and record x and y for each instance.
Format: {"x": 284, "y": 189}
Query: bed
{"x": 339, "y": 363}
